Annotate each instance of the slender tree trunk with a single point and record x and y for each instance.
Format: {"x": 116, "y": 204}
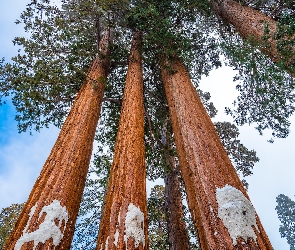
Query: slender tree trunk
{"x": 48, "y": 218}
{"x": 219, "y": 204}
{"x": 177, "y": 232}
{"x": 250, "y": 23}
{"x": 124, "y": 220}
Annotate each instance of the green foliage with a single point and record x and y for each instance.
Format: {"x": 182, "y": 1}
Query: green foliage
{"x": 157, "y": 127}
{"x": 285, "y": 41}
{"x": 45, "y": 76}
{"x": 8, "y": 218}
{"x": 176, "y": 28}
{"x": 284, "y": 13}
{"x": 209, "y": 106}
{"x": 274, "y": 9}
{"x": 266, "y": 92}
{"x": 53, "y": 59}
{"x": 158, "y": 234}
{"x": 286, "y": 214}
{"x": 4, "y": 93}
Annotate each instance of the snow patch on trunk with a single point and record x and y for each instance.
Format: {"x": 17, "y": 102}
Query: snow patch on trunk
{"x": 48, "y": 228}
{"x": 107, "y": 243}
{"x": 236, "y": 212}
{"x": 116, "y": 237}
{"x": 32, "y": 211}
{"x": 134, "y": 225}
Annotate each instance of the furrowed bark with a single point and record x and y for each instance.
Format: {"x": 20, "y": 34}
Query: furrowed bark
{"x": 204, "y": 164}
{"x": 177, "y": 232}
{"x": 126, "y": 193}
{"x": 250, "y": 24}
{"x": 48, "y": 218}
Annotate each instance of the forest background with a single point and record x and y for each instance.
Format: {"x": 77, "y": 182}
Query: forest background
{"x": 22, "y": 155}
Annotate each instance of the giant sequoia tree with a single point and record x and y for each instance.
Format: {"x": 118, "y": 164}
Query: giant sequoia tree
{"x": 206, "y": 170}
{"x": 45, "y": 78}
{"x": 275, "y": 39}
{"x": 266, "y": 90}
{"x": 58, "y": 190}
{"x": 124, "y": 219}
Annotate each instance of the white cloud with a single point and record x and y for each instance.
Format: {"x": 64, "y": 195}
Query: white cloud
{"x": 21, "y": 160}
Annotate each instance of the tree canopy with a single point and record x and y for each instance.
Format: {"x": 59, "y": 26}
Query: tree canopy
{"x": 53, "y": 59}
{"x": 8, "y": 218}
{"x": 52, "y": 64}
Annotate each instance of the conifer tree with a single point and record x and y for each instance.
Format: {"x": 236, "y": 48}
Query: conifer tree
{"x": 177, "y": 232}
{"x": 266, "y": 89}
{"x": 8, "y": 218}
{"x": 124, "y": 219}
{"x": 274, "y": 39}
{"x": 286, "y": 213}
{"x": 207, "y": 170}
{"x": 158, "y": 234}
{"x": 57, "y": 192}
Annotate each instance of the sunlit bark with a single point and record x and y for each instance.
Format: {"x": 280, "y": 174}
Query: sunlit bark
{"x": 251, "y": 24}
{"x": 48, "y": 218}
{"x": 126, "y": 193}
{"x": 204, "y": 163}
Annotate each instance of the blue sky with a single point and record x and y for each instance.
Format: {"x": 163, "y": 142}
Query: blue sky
{"x": 22, "y": 155}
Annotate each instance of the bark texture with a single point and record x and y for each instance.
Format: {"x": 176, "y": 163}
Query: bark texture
{"x": 127, "y": 183}
{"x": 177, "y": 232}
{"x": 204, "y": 163}
{"x": 48, "y": 218}
{"x": 250, "y": 23}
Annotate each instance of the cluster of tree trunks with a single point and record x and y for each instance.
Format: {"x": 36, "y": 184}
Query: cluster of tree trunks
{"x": 204, "y": 163}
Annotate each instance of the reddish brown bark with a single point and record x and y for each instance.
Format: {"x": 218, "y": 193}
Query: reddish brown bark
{"x": 127, "y": 183}
{"x": 204, "y": 163}
{"x": 61, "y": 182}
{"x": 250, "y": 23}
{"x": 177, "y": 232}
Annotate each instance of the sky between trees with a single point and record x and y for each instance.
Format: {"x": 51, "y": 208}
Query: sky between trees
{"x": 22, "y": 156}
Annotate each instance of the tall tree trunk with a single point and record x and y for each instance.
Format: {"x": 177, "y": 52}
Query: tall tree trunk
{"x": 124, "y": 220}
{"x": 177, "y": 232}
{"x": 250, "y": 23}
{"x": 219, "y": 204}
{"x": 48, "y": 218}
